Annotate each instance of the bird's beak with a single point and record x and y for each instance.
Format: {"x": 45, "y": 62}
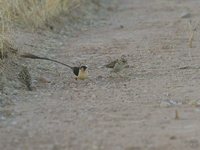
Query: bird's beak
{"x": 83, "y": 69}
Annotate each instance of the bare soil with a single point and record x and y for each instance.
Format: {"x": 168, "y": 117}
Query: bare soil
{"x": 153, "y": 104}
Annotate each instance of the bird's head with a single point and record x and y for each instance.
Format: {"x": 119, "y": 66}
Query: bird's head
{"x": 83, "y": 68}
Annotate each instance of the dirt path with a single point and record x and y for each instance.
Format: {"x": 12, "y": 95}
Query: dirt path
{"x": 132, "y": 112}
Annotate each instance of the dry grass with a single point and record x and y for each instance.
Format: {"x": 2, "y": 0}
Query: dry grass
{"x": 192, "y": 30}
{"x": 35, "y": 13}
{"x": 4, "y": 26}
{"x": 30, "y": 13}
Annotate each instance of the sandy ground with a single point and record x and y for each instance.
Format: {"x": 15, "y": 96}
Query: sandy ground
{"x": 131, "y": 111}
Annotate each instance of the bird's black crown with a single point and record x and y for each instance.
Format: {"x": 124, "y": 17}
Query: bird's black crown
{"x": 83, "y": 67}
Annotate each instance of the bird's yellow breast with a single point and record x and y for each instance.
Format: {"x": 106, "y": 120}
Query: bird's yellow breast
{"x": 83, "y": 74}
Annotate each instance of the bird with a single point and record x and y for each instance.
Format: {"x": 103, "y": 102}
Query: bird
{"x": 80, "y": 73}
{"x": 118, "y": 64}
{"x": 25, "y": 78}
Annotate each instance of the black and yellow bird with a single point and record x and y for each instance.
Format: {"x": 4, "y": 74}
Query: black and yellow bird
{"x": 80, "y": 72}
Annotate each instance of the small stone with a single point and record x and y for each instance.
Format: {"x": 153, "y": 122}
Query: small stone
{"x": 100, "y": 78}
{"x": 121, "y": 26}
{"x": 165, "y": 104}
{"x": 185, "y": 15}
{"x": 173, "y": 137}
{"x": 168, "y": 103}
{"x": 43, "y": 80}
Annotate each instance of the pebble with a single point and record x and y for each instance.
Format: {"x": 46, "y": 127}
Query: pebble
{"x": 164, "y": 104}
{"x": 168, "y": 103}
{"x": 185, "y": 15}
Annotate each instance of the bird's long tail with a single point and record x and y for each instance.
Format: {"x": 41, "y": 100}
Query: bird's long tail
{"x": 31, "y": 56}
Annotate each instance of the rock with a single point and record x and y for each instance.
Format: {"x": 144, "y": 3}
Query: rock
{"x": 43, "y": 80}
{"x": 165, "y": 104}
{"x": 168, "y": 103}
{"x": 185, "y": 15}
{"x": 121, "y": 26}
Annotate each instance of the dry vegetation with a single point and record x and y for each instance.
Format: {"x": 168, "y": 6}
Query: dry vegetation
{"x": 34, "y": 13}
{"x": 30, "y": 13}
{"x": 192, "y": 29}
